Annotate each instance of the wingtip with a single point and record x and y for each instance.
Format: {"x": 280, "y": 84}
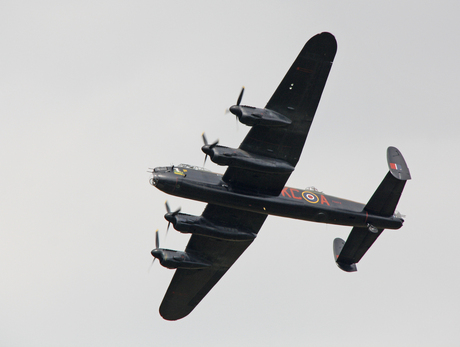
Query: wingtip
{"x": 323, "y": 43}
{"x": 172, "y": 315}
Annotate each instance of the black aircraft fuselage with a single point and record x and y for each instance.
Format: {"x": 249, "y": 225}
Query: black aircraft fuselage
{"x": 310, "y": 205}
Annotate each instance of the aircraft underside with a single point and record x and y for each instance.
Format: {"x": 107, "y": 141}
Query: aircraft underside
{"x": 254, "y": 186}
{"x": 291, "y": 203}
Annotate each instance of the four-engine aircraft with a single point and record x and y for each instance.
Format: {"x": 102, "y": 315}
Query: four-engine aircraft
{"x": 253, "y": 187}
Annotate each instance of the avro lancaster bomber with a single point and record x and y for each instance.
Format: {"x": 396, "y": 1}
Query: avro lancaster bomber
{"x": 253, "y": 187}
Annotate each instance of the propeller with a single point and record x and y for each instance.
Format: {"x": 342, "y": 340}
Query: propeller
{"x": 170, "y": 216}
{"x": 235, "y": 109}
{"x": 207, "y": 148}
{"x": 238, "y": 101}
{"x": 156, "y": 252}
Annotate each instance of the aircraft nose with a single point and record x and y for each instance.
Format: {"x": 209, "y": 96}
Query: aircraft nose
{"x": 154, "y": 180}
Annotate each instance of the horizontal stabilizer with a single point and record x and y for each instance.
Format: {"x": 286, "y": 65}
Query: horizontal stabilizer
{"x": 381, "y": 204}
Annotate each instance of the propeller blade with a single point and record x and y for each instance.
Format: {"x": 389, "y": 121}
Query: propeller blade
{"x": 204, "y": 138}
{"x": 157, "y": 240}
{"x": 240, "y": 97}
{"x": 151, "y": 264}
{"x": 206, "y": 143}
{"x": 168, "y": 209}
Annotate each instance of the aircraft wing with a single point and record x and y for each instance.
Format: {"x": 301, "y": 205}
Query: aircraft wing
{"x": 297, "y": 98}
{"x": 189, "y": 286}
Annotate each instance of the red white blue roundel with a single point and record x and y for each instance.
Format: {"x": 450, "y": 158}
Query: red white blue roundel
{"x": 310, "y": 197}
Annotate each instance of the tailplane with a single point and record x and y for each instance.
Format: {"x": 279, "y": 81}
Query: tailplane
{"x": 383, "y": 204}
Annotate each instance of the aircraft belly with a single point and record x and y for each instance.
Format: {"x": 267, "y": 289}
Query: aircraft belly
{"x": 291, "y": 203}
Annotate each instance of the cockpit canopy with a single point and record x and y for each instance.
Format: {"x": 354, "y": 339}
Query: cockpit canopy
{"x": 192, "y": 167}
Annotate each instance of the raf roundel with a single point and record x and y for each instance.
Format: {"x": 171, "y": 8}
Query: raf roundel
{"x": 310, "y": 197}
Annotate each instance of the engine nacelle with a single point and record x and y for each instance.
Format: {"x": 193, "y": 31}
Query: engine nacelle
{"x": 179, "y": 260}
{"x": 259, "y": 116}
{"x": 237, "y": 157}
{"x": 199, "y": 225}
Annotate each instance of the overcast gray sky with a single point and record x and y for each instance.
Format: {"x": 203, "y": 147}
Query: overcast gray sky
{"x": 93, "y": 93}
